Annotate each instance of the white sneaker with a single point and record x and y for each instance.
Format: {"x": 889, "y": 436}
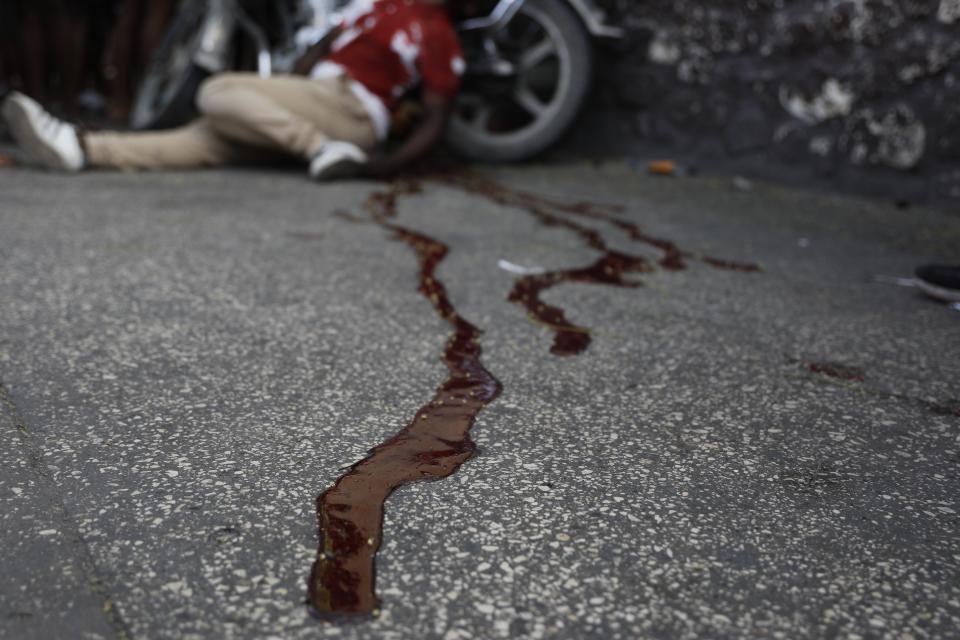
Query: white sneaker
{"x": 337, "y": 159}
{"x": 47, "y": 140}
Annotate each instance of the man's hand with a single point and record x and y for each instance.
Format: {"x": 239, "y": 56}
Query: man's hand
{"x": 436, "y": 112}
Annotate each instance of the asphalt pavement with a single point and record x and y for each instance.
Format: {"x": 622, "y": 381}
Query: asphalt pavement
{"x": 188, "y": 359}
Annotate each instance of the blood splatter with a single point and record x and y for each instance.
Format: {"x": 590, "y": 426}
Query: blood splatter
{"x": 837, "y": 370}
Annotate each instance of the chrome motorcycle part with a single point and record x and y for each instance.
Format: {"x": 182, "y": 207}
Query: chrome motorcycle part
{"x": 502, "y": 13}
{"x": 595, "y": 19}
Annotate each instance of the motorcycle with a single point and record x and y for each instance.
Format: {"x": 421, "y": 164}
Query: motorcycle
{"x": 529, "y": 64}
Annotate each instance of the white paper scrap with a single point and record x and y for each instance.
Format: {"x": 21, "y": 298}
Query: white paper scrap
{"x": 520, "y": 271}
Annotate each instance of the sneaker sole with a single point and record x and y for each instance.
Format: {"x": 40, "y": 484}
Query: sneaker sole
{"x": 338, "y": 169}
{"x": 940, "y": 293}
{"x": 21, "y": 126}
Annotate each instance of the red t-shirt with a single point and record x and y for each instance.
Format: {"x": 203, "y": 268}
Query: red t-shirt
{"x": 389, "y": 46}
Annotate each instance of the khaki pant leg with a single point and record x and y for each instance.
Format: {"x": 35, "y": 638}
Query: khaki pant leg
{"x": 288, "y": 113}
{"x": 194, "y": 145}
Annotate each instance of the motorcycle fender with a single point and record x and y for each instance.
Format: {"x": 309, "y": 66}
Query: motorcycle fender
{"x": 216, "y": 37}
{"x": 595, "y": 19}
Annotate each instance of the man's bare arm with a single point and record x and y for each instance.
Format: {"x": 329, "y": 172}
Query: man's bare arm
{"x": 316, "y": 53}
{"x": 436, "y": 111}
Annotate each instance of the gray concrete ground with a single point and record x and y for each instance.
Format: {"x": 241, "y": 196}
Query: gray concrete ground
{"x": 187, "y": 360}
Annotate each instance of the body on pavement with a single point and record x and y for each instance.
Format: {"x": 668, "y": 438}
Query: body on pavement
{"x": 333, "y": 112}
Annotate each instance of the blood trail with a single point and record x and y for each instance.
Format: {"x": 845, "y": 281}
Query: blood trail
{"x": 432, "y": 446}
{"x": 610, "y": 269}
{"x": 437, "y": 440}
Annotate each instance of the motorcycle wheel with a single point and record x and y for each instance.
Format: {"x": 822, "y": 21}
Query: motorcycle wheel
{"x": 525, "y": 99}
{"x": 166, "y": 95}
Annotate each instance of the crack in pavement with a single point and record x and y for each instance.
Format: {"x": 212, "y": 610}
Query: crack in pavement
{"x": 54, "y": 507}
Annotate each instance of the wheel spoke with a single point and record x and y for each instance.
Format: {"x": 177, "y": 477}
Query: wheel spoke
{"x": 481, "y": 118}
{"x": 538, "y": 53}
{"x": 480, "y": 111}
{"x": 529, "y": 100}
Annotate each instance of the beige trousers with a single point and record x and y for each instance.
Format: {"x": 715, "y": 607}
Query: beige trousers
{"x": 244, "y": 117}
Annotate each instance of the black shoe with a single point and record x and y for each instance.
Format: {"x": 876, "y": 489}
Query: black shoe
{"x": 940, "y": 281}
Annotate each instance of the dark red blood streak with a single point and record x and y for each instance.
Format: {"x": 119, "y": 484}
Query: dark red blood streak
{"x": 839, "y": 371}
{"x": 432, "y": 446}
{"x": 609, "y": 269}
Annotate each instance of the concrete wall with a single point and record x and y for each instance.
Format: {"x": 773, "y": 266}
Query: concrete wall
{"x": 862, "y": 92}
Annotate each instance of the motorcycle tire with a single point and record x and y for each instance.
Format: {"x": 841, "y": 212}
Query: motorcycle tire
{"x": 574, "y": 53}
{"x": 166, "y": 96}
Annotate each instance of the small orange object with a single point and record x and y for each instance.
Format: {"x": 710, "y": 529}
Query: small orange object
{"x": 6, "y": 161}
{"x": 662, "y": 167}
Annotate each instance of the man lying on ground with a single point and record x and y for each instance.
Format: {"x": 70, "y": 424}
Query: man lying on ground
{"x": 333, "y": 112}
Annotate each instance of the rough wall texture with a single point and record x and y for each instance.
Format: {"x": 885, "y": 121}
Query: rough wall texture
{"x": 852, "y": 90}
